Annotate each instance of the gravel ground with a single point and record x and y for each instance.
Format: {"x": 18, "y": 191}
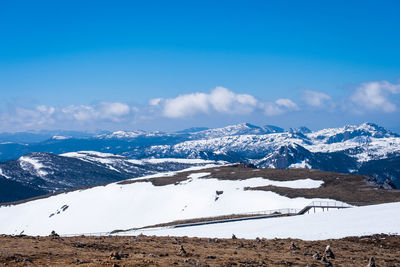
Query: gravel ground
{"x": 183, "y": 251}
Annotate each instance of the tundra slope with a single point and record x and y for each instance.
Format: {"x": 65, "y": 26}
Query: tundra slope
{"x": 182, "y": 195}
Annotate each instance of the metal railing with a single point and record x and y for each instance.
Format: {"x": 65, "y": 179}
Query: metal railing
{"x": 228, "y": 218}
{"x": 270, "y": 212}
{"x": 329, "y": 204}
{"x": 87, "y": 234}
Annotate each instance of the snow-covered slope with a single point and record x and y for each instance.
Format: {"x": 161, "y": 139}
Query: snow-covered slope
{"x": 127, "y": 205}
{"x": 359, "y": 221}
{"x": 48, "y": 173}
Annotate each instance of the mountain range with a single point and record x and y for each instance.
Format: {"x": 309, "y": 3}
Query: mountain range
{"x": 64, "y": 162}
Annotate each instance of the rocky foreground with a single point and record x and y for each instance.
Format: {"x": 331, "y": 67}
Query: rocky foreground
{"x": 377, "y": 250}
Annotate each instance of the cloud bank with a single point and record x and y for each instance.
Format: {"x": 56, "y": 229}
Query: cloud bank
{"x": 219, "y": 100}
{"x": 376, "y": 96}
{"x": 46, "y": 116}
{"x": 316, "y": 99}
{"x": 379, "y": 97}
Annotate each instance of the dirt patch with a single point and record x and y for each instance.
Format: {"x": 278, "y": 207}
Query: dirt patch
{"x": 352, "y": 189}
{"x": 183, "y": 251}
{"x": 358, "y": 196}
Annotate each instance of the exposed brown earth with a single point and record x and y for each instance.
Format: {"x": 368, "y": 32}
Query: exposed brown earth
{"x": 183, "y": 251}
{"x": 352, "y": 189}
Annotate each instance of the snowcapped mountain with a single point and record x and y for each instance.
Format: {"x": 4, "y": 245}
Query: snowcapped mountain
{"x": 364, "y": 142}
{"x": 347, "y": 149}
{"x": 201, "y": 132}
{"x": 41, "y": 173}
{"x": 343, "y": 149}
{"x": 356, "y": 144}
{"x": 122, "y": 134}
{"x": 192, "y": 130}
{"x": 296, "y": 156}
{"x": 334, "y": 135}
{"x": 233, "y": 130}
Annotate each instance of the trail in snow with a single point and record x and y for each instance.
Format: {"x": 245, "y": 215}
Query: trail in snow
{"x": 368, "y": 220}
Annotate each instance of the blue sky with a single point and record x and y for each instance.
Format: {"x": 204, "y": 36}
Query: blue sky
{"x": 167, "y": 65}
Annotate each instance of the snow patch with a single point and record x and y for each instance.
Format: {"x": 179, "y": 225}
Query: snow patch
{"x": 27, "y": 162}
{"x": 3, "y": 174}
{"x": 84, "y": 154}
{"x": 303, "y": 164}
{"x": 122, "y": 134}
{"x": 296, "y": 184}
{"x": 359, "y": 221}
{"x": 198, "y": 175}
{"x": 59, "y": 137}
{"x": 178, "y": 160}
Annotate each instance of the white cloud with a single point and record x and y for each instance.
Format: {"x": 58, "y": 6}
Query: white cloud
{"x": 81, "y": 112}
{"x": 316, "y": 99}
{"x": 102, "y": 111}
{"x": 155, "y": 101}
{"x": 219, "y": 100}
{"x": 376, "y": 96}
{"x": 186, "y": 105}
{"x": 287, "y": 103}
{"x": 27, "y": 118}
{"x": 45, "y": 117}
{"x": 45, "y": 110}
{"x": 223, "y": 100}
{"x": 280, "y": 106}
{"x": 272, "y": 109}
{"x": 113, "y": 111}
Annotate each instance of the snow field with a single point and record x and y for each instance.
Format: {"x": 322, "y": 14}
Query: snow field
{"x": 115, "y": 206}
{"x": 367, "y": 220}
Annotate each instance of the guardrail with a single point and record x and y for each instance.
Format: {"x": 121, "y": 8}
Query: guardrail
{"x": 271, "y": 212}
{"x": 330, "y": 204}
{"x": 324, "y": 205}
{"x": 87, "y": 234}
{"x": 235, "y": 217}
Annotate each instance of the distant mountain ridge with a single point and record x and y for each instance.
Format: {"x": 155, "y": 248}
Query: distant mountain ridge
{"x": 41, "y": 173}
{"x": 365, "y": 149}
